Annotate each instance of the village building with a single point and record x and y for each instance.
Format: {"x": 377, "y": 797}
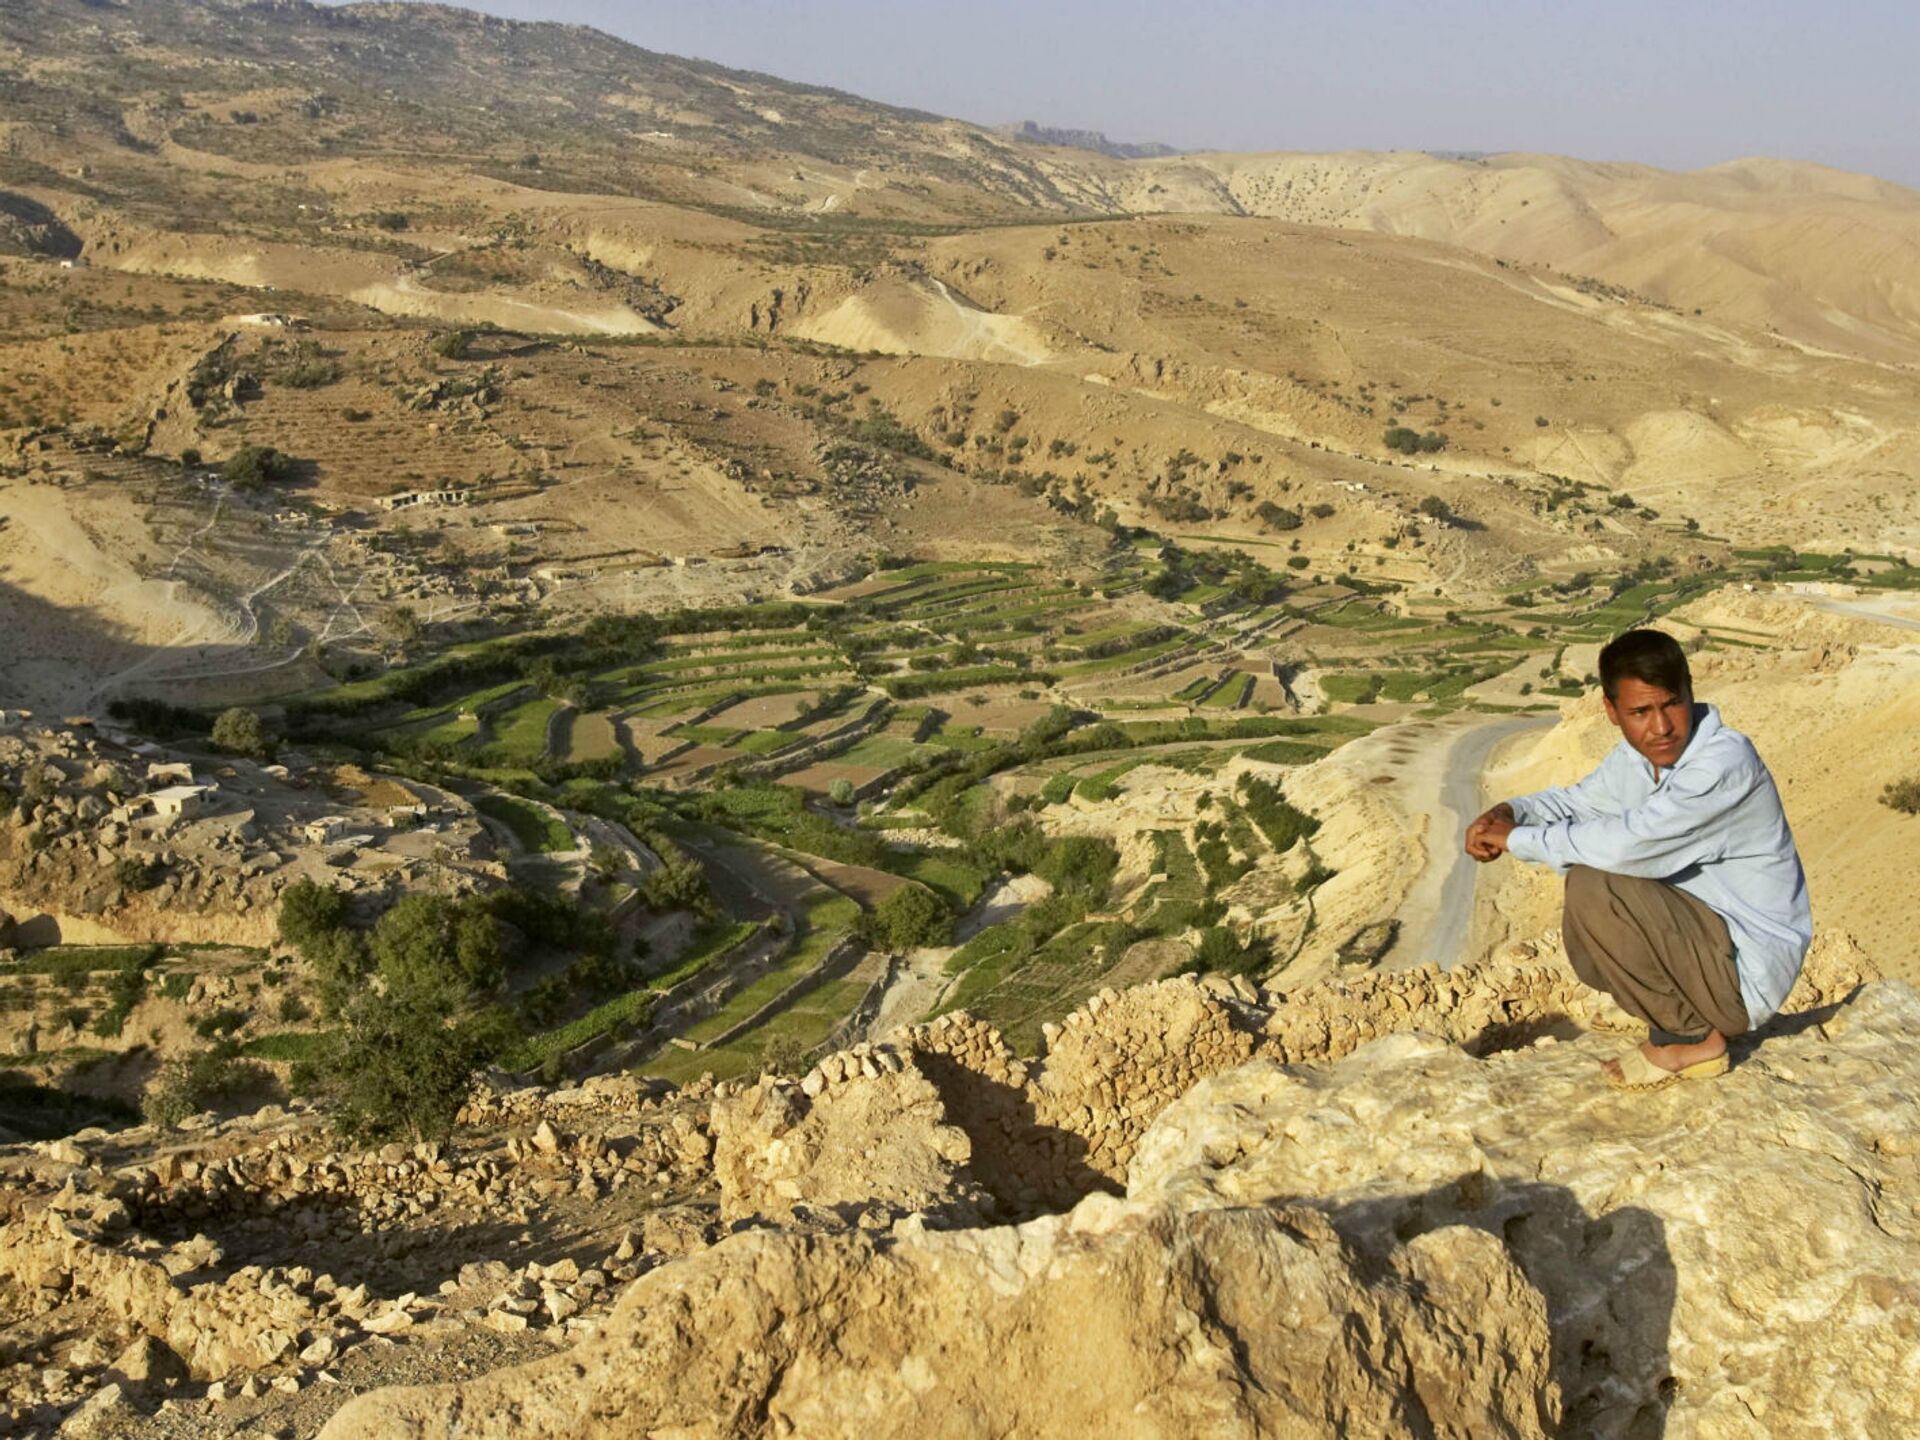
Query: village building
{"x": 179, "y": 802}
{"x": 327, "y": 829}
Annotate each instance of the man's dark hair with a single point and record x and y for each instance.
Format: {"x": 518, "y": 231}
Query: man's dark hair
{"x": 1649, "y": 656}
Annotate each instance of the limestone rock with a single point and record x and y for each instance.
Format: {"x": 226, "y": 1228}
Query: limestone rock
{"x": 1117, "y": 1321}
{"x": 148, "y": 1361}
{"x": 1725, "y": 1258}
{"x": 872, "y": 1140}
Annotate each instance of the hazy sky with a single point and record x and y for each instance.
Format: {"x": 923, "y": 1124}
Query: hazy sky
{"x": 1678, "y": 83}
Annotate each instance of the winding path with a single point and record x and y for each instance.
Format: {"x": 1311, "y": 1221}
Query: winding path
{"x": 1438, "y": 911}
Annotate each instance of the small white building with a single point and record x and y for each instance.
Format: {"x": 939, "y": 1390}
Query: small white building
{"x": 179, "y": 802}
{"x": 328, "y": 829}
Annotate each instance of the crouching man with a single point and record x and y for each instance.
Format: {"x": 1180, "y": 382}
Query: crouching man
{"x": 1685, "y": 897}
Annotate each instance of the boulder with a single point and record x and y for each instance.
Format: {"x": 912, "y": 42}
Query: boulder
{"x": 873, "y": 1140}
{"x": 1116, "y": 1321}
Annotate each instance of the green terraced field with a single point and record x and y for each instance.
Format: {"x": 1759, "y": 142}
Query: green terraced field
{"x": 531, "y": 826}
{"x": 521, "y": 732}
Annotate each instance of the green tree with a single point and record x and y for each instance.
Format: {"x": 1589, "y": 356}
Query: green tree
{"x": 340, "y": 965}
{"x": 1080, "y": 865}
{"x": 430, "y": 946}
{"x": 679, "y": 884}
{"x": 403, "y": 1064}
{"x": 252, "y": 466}
{"x": 310, "y": 913}
{"x": 240, "y": 731}
{"x": 909, "y": 917}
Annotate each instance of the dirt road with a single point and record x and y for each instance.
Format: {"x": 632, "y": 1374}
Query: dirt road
{"x": 1438, "y": 910}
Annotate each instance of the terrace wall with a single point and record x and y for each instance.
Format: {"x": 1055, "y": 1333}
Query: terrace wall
{"x": 836, "y": 962}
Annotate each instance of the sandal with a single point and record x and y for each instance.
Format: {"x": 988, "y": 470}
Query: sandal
{"x": 1639, "y": 1073}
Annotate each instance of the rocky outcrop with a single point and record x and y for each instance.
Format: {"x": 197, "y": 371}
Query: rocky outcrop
{"x": 1731, "y": 1258}
{"x": 1046, "y": 1131}
{"x": 1117, "y": 1321}
{"x": 1415, "y": 1239}
{"x": 867, "y": 1141}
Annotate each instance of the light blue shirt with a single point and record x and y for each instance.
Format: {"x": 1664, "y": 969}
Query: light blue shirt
{"x": 1711, "y": 826}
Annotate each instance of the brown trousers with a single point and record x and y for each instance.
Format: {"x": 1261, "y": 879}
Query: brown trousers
{"x": 1663, "y": 955}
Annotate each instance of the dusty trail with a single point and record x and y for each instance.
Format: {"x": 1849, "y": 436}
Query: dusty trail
{"x": 978, "y": 327}
{"x": 1435, "y": 916}
{"x": 1857, "y": 611}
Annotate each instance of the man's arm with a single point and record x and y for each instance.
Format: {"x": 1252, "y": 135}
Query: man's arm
{"x": 1587, "y": 798}
{"x": 1683, "y": 823}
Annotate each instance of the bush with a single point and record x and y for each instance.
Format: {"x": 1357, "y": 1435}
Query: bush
{"x": 911, "y": 916}
{"x": 403, "y": 1065}
{"x": 1436, "y": 509}
{"x": 1222, "y": 950}
{"x": 189, "y": 1084}
{"x": 1903, "y": 795}
{"x": 1079, "y": 865}
{"x": 310, "y": 913}
{"x": 453, "y": 345}
{"x": 1277, "y": 517}
{"x": 432, "y": 948}
{"x": 239, "y": 731}
{"x": 252, "y": 466}
{"x": 1412, "y": 442}
{"x": 679, "y": 884}
{"x": 340, "y": 964}
{"x": 133, "y": 872}
{"x": 841, "y": 791}
{"x": 220, "y": 1022}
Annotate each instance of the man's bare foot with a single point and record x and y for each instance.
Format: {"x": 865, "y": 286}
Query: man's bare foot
{"x": 1674, "y": 1058}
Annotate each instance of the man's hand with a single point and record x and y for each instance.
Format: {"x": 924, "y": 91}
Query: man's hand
{"x": 1487, "y": 835}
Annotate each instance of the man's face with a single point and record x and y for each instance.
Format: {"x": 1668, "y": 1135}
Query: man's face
{"x": 1655, "y": 722}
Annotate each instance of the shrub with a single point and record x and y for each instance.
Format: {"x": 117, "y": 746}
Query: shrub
{"x": 841, "y": 791}
{"x": 189, "y": 1084}
{"x": 911, "y": 916}
{"x": 1903, "y": 795}
{"x": 431, "y": 947}
{"x": 403, "y": 1065}
{"x": 679, "y": 884}
{"x": 1436, "y": 508}
{"x": 252, "y": 466}
{"x": 220, "y": 1022}
{"x": 1412, "y": 442}
{"x": 453, "y": 345}
{"x": 240, "y": 731}
{"x": 133, "y": 872}
{"x": 310, "y": 913}
{"x": 1079, "y": 865}
{"x": 1277, "y": 517}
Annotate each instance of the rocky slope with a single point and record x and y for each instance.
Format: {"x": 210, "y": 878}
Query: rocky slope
{"x": 266, "y": 1275}
{"x": 1412, "y": 1238}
